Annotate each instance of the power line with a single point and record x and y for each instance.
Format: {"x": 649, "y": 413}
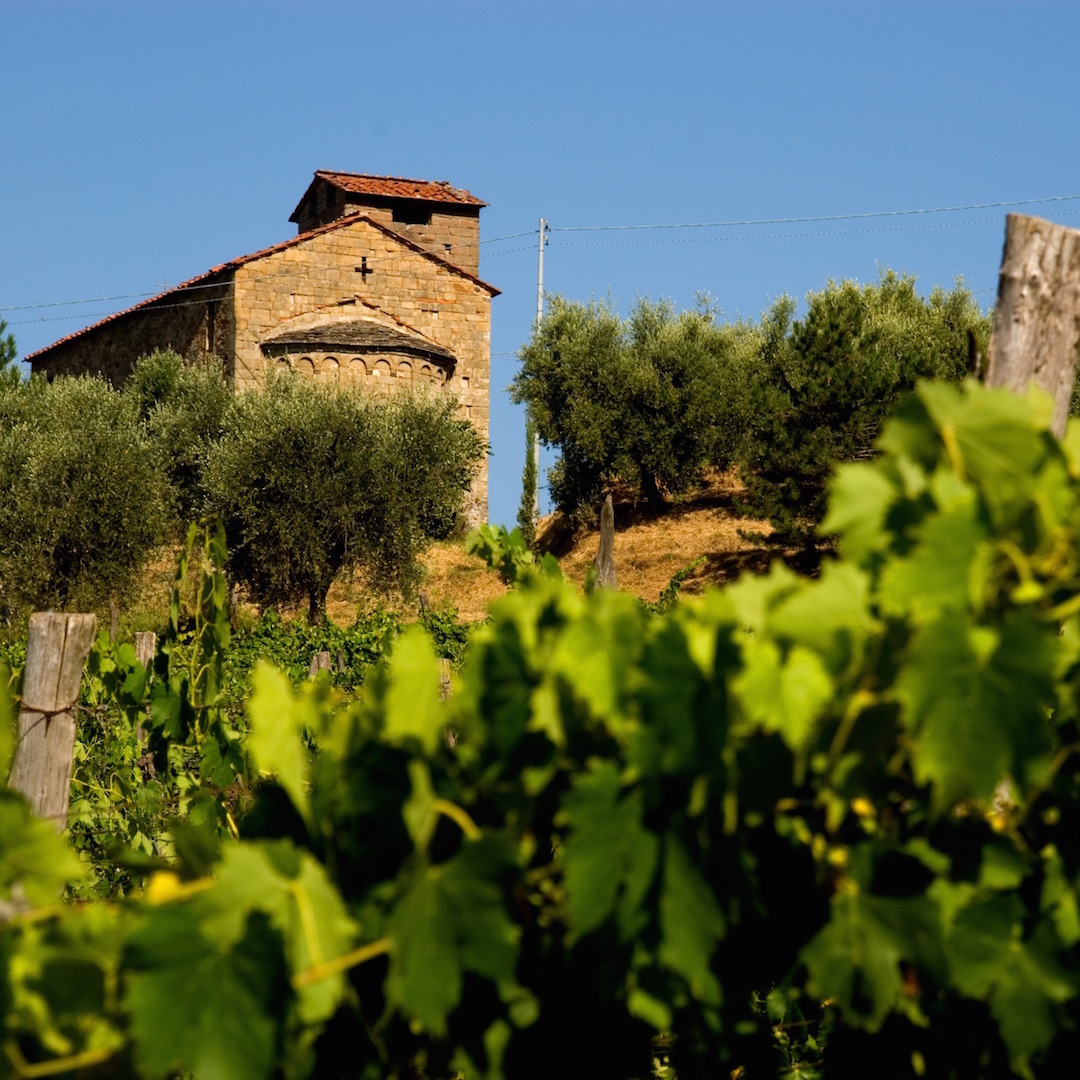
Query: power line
{"x": 820, "y": 217}
{"x": 789, "y": 235}
{"x": 747, "y": 222}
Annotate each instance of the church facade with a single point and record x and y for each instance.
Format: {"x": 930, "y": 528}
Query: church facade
{"x": 378, "y": 289}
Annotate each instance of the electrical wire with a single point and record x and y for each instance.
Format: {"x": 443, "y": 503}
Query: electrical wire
{"x": 821, "y": 217}
{"x": 302, "y": 272}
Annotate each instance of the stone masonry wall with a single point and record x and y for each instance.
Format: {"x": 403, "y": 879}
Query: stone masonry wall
{"x": 322, "y": 271}
{"x": 453, "y": 236}
{"x": 194, "y": 325}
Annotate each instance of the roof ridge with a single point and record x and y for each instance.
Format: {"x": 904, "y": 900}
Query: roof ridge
{"x": 243, "y": 260}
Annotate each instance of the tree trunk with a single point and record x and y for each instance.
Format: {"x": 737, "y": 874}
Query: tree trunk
{"x": 1036, "y": 332}
{"x": 317, "y": 604}
{"x": 56, "y": 651}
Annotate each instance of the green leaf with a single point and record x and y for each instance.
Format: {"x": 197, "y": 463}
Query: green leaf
{"x": 413, "y": 708}
{"x": 936, "y": 576}
{"x": 607, "y": 852}
{"x": 691, "y": 922}
{"x": 977, "y": 710}
{"x": 782, "y": 694}
{"x": 451, "y": 919}
{"x": 418, "y": 812}
{"x": 855, "y": 958}
{"x": 274, "y": 742}
{"x": 32, "y": 854}
{"x": 859, "y": 498}
{"x": 837, "y": 602}
{"x": 1021, "y": 978}
{"x": 197, "y": 1005}
{"x": 303, "y": 905}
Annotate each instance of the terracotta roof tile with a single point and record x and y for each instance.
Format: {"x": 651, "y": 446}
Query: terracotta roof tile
{"x": 359, "y": 332}
{"x": 399, "y": 187}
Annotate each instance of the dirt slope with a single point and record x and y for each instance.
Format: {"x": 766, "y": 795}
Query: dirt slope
{"x": 650, "y": 548}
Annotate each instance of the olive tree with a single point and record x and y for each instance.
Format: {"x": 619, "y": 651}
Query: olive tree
{"x": 312, "y": 480}
{"x": 183, "y": 407}
{"x": 639, "y": 400}
{"x": 83, "y": 501}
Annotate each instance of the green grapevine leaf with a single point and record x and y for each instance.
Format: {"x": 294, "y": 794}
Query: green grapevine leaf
{"x": 274, "y": 742}
{"x": 32, "y": 855}
{"x": 783, "y": 694}
{"x": 451, "y": 919}
{"x": 607, "y": 852}
{"x": 691, "y": 922}
{"x": 936, "y": 576}
{"x": 855, "y": 958}
{"x": 303, "y": 905}
{"x": 197, "y": 1005}
{"x": 1021, "y": 978}
{"x": 860, "y": 497}
{"x": 977, "y": 708}
{"x": 837, "y": 602}
{"x": 412, "y": 697}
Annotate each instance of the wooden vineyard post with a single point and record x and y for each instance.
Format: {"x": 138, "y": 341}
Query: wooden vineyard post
{"x": 1036, "y": 331}
{"x": 320, "y": 662}
{"x": 145, "y": 649}
{"x": 56, "y": 651}
{"x": 605, "y": 557}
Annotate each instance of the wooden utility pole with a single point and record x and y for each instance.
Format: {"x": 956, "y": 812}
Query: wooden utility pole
{"x": 56, "y": 651}
{"x": 1036, "y": 331}
{"x": 539, "y": 319}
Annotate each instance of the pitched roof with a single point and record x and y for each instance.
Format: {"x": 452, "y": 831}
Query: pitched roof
{"x": 392, "y": 187}
{"x": 219, "y": 271}
{"x": 358, "y": 333}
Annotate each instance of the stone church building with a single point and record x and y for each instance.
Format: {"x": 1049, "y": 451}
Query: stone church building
{"x": 378, "y": 289}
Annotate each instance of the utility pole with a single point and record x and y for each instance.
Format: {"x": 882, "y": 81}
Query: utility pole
{"x": 539, "y": 320}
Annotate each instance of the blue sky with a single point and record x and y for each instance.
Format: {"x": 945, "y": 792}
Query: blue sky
{"x": 143, "y": 143}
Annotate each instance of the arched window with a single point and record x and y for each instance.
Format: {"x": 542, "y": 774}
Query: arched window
{"x": 330, "y": 369}
{"x": 357, "y": 370}
{"x": 306, "y": 366}
{"x": 404, "y": 372}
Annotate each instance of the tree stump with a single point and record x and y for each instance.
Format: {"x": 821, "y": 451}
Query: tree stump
{"x": 320, "y": 662}
{"x": 1036, "y": 331}
{"x": 56, "y": 651}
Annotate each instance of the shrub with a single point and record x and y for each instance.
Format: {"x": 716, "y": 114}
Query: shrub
{"x": 311, "y": 481}
{"x": 83, "y": 503}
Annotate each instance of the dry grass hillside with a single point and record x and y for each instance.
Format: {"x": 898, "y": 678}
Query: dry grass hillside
{"x": 651, "y": 546}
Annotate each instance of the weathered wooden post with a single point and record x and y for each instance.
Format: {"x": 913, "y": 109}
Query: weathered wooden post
{"x": 1036, "y": 331}
{"x": 320, "y": 662}
{"x": 145, "y": 647}
{"x": 56, "y": 651}
{"x": 605, "y": 557}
